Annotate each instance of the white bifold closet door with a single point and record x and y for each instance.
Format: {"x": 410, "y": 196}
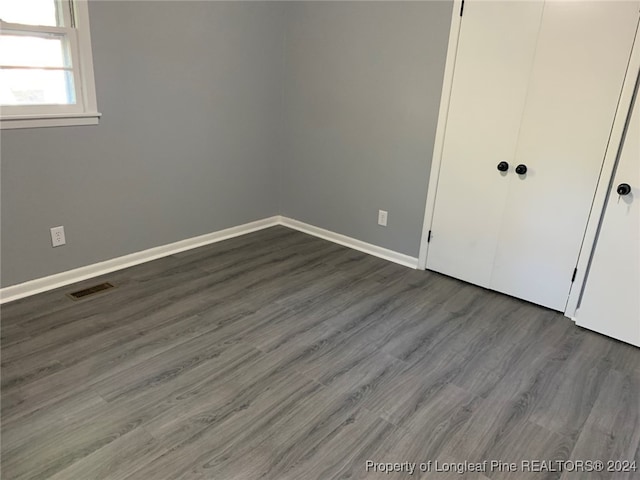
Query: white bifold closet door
{"x": 535, "y": 84}
{"x": 611, "y": 299}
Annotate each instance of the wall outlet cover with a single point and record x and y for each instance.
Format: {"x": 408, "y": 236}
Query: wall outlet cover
{"x": 382, "y": 217}
{"x": 57, "y": 236}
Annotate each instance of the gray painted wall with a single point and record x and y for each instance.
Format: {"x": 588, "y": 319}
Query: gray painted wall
{"x": 216, "y": 114}
{"x": 363, "y": 83}
{"x": 187, "y": 143}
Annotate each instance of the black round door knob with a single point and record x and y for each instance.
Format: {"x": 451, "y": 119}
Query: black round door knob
{"x": 623, "y": 189}
{"x": 521, "y": 169}
{"x": 503, "y": 166}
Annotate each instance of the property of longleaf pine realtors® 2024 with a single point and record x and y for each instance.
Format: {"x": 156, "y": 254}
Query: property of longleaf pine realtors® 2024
{"x": 535, "y": 466}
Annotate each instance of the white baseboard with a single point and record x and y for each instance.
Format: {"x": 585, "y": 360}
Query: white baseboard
{"x": 391, "y": 255}
{"x": 21, "y": 290}
{"x": 39, "y": 285}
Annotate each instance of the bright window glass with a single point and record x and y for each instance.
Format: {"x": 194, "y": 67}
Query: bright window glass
{"x": 30, "y": 51}
{"x": 31, "y": 12}
{"x": 47, "y": 78}
{"x": 36, "y": 87}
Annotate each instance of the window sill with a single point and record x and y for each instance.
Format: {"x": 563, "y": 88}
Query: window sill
{"x": 57, "y": 120}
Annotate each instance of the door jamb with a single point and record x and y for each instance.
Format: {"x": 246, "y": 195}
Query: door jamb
{"x": 606, "y": 177}
{"x": 436, "y": 160}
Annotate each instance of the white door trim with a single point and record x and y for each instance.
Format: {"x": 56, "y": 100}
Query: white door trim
{"x": 438, "y": 144}
{"x": 606, "y": 177}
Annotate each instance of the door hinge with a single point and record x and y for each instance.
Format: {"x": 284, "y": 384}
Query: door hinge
{"x": 429, "y": 237}
{"x": 462, "y": 8}
{"x": 575, "y": 272}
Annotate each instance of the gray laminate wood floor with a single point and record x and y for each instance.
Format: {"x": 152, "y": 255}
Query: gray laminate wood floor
{"x": 281, "y": 356}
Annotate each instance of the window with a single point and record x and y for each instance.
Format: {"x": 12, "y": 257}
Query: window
{"x": 46, "y": 68}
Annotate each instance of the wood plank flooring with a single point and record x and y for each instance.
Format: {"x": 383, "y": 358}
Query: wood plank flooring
{"x": 278, "y": 355}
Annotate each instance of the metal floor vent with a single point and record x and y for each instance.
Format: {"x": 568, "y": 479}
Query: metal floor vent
{"x": 90, "y": 291}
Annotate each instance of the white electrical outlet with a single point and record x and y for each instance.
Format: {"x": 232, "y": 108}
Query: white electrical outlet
{"x": 382, "y": 217}
{"x": 57, "y": 236}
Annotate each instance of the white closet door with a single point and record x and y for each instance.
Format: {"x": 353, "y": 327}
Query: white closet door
{"x": 611, "y": 298}
{"x": 493, "y": 63}
{"x": 581, "y": 58}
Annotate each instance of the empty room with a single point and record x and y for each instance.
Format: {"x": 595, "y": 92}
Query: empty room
{"x": 297, "y": 240}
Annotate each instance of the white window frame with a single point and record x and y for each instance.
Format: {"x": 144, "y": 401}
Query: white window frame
{"x": 75, "y": 16}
